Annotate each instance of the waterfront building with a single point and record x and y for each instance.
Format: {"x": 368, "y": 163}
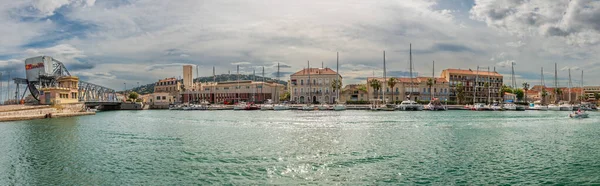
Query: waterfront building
{"x": 65, "y": 92}
{"x": 473, "y": 82}
{"x": 316, "y": 89}
{"x": 188, "y": 77}
{"x": 233, "y": 91}
{"x": 416, "y": 90}
{"x": 552, "y": 97}
{"x": 354, "y": 92}
{"x": 169, "y": 85}
{"x": 590, "y": 91}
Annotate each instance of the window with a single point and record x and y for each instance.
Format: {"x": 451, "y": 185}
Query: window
{"x": 301, "y": 82}
{"x": 157, "y": 97}
{"x": 164, "y": 97}
{"x": 295, "y": 90}
{"x": 424, "y": 89}
{"x": 301, "y": 90}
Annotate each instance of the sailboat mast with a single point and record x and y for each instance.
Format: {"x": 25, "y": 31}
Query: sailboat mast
{"x": 410, "y": 71}
{"x": 581, "y": 95}
{"x": 556, "y": 83}
{"x": 309, "y": 83}
{"x": 238, "y": 83}
{"x": 489, "y": 84}
{"x": 475, "y": 85}
{"x": 214, "y": 83}
{"x": 384, "y": 80}
{"x": 570, "y": 84}
{"x": 433, "y": 80}
{"x": 276, "y": 87}
{"x": 262, "y": 94}
{"x": 337, "y": 70}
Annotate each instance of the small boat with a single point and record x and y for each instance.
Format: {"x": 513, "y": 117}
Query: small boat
{"x": 436, "y": 105}
{"x": 386, "y": 107}
{"x": 92, "y": 109}
{"x": 309, "y": 107}
{"x": 537, "y": 105}
{"x": 281, "y": 107}
{"x": 509, "y": 106}
{"x": 408, "y": 105}
{"x": 495, "y": 106}
{"x": 240, "y": 106}
{"x": 579, "y": 114}
{"x": 267, "y": 107}
{"x": 339, "y": 107}
{"x": 479, "y": 107}
{"x": 324, "y": 107}
{"x": 564, "y": 106}
{"x": 553, "y": 107}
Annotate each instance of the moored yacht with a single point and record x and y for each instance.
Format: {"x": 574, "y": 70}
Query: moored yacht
{"x": 479, "y": 107}
{"x": 537, "y": 105}
{"x": 324, "y": 107}
{"x": 281, "y": 107}
{"x": 410, "y": 105}
{"x": 509, "y": 106}
{"x": 565, "y": 106}
{"x": 309, "y": 107}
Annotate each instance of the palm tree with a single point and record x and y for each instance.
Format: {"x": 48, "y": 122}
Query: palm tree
{"x": 392, "y": 83}
{"x": 596, "y": 96}
{"x": 544, "y": 94}
{"x": 525, "y": 88}
{"x": 336, "y": 85}
{"x": 430, "y": 84}
{"x": 558, "y": 94}
{"x": 460, "y": 92}
{"x": 376, "y": 84}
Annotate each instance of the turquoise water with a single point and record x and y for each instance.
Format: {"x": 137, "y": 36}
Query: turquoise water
{"x": 295, "y": 147}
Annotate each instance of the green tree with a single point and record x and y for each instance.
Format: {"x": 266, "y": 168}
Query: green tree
{"x": 486, "y": 85}
{"x": 376, "y": 85}
{"x": 557, "y": 94}
{"x": 133, "y": 96}
{"x": 430, "y": 84}
{"x": 544, "y": 95}
{"x": 285, "y": 96}
{"x": 519, "y": 93}
{"x": 392, "y": 83}
{"x": 336, "y": 85}
{"x": 596, "y": 96}
{"x": 460, "y": 93}
{"x": 525, "y": 89}
{"x": 362, "y": 87}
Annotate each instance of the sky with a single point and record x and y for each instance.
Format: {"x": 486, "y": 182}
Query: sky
{"x": 112, "y": 42}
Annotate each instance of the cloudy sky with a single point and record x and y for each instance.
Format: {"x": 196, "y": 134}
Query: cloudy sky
{"x": 111, "y": 42}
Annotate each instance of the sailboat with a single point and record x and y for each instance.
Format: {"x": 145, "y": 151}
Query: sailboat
{"x": 279, "y": 106}
{"x": 566, "y": 106}
{"x": 554, "y": 106}
{"x": 384, "y": 106}
{"x": 435, "y": 104}
{"x": 309, "y": 106}
{"x": 410, "y": 104}
{"x": 338, "y": 106}
{"x": 539, "y": 105}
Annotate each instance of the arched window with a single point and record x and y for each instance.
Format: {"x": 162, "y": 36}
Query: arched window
{"x": 301, "y": 82}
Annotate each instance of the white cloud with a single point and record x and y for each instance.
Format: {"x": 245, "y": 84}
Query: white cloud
{"x": 507, "y": 63}
{"x": 578, "y": 21}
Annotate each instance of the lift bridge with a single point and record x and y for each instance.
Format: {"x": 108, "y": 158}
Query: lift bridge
{"x": 44, "y": 71}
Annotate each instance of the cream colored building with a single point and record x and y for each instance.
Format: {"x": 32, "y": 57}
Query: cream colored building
{"x": 354, "y": 92}
{"x": 169, "y": 85}
{"x": 473, "y": 82}
{"x": 234, "y": 91}
{"x": 188, "y": 78}
{"x": 313, "y": 85}
{"x": 66, "y": 92}
{"x": 416, "y": 90}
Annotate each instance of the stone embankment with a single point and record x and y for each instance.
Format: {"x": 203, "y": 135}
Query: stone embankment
{"x": 29, "y": 112}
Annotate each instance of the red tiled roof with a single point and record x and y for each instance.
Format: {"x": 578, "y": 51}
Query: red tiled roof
{"x": 472, "y": 72}
{"x": 315, "y": 71}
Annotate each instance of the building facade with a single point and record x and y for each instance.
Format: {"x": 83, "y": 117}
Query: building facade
{"x": 169, "y": 85}
{"x": 233, "y": 91}
{"x": 188, "y": 78}
{"x": 416, "y": 89}
{"x": 354, "y": 92}
{"x": 474, "y": 83}
{"x": 313, "y": 86}
{"x": 66, "y": 92}
{"x": 590, "y": 91}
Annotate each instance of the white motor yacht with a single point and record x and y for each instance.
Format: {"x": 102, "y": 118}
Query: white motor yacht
{"x": 309, "y": 107}
{"x": 495, "y": 106}
{"x": 339, "y": 107}
{"x": 240, "y": 106}
{"x": 564, "y": 106}
{"x": 553, "y": 107}
{"x": 386, "y": 107}
{"x": 324, "y": 107}
{"x": 407, "y": 105}
{"x": 509, "y": 106}
{"x": 537, "y": 105}
{"x": 267, "y": 107}
{"x": 281, "y": 107}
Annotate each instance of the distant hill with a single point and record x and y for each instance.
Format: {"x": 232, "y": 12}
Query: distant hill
{"x": 149, "y": 88}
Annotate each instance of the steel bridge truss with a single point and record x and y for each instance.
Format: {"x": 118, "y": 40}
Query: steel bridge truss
{"x": 89, "y": 92}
